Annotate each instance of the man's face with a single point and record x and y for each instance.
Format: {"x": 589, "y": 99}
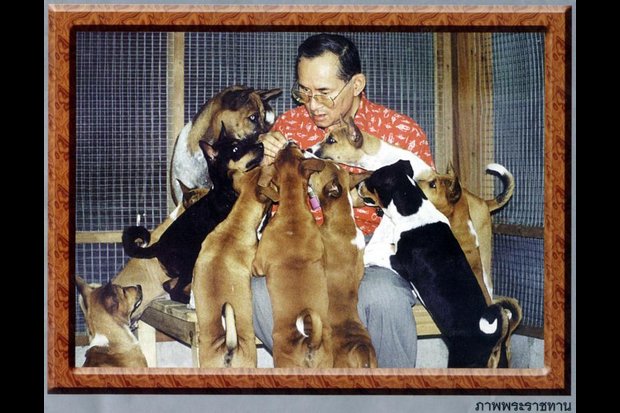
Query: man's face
{"x": 319, "y": 75}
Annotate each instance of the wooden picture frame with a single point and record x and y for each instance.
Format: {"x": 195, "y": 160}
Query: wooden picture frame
{"x": 554, "y": 378}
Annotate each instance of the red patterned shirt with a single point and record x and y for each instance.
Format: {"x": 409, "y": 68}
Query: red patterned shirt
{"x": 385, "y": 124}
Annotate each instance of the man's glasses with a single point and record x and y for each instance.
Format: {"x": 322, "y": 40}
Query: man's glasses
{"x": 304, "y": 98}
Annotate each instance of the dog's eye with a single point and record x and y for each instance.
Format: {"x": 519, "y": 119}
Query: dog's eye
{"x": 432, "y": 184}
{"x": 330, "y": 140}
{"x": 235, "y": 149}
{"x": 253, "y": 117}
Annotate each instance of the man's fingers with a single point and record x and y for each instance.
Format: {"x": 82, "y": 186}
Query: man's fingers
{"x": 272, "y": 142}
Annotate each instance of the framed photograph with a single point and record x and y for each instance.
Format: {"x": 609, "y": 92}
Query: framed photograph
{"x": 487, "y": 84}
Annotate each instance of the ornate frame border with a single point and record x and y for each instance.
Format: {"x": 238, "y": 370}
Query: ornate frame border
{"x": 554, "y": 21}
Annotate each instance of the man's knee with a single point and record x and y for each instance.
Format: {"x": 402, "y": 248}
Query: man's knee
{"x": 382, "y": 288}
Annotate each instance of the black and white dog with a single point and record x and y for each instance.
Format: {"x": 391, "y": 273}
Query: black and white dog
{"x": 420, "y": 247}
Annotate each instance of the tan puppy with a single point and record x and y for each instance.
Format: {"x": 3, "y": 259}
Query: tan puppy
{"x": 108, "y": 311}
{"x": 344, "y": 265}
{"x": 346, "y": 143}
{"x": 221, "y": 283}
{"x": 469, "y": 216}
{"x": 290, "y": 254}
{"x": 244, "y": 112}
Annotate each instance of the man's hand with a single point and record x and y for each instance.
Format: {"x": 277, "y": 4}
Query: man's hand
{"x": 273, "y": 142}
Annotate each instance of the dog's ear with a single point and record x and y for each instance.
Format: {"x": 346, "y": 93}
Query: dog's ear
{"x": 405, "y": 167}
{"x": 354, "y": 133}
{"x": 208, "y": 150}
{"x": 355, "y": 179}
{"x": 309, "y": 166}
{"x": 266, "y": 95}
{"x": 85, "y": 291}
{"x": 269, "y": 192}
{"x": 110, "y": 300}
{"x": 453, "y": 191}
{"x": 333, "y": 189}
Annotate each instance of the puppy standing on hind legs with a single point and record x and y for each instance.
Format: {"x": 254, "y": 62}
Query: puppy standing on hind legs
{"x": 428, "y": 255}
{"x": 290, "y": 254}
{"x": 221, "y": 283}
{"x": 344, "y": 266}
{"x": 469, "y": 216}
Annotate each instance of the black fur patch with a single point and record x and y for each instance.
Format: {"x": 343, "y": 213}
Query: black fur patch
{"x": 391, "y": 183}
{"x": 178, "y": 247}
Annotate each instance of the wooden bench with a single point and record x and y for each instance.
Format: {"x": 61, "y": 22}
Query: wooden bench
{"x": 176, "y": 320}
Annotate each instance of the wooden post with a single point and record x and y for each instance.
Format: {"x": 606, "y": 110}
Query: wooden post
{"x": 473, "y": 116}
{"x": 444, "y": 123}
{"x": 148, "y": 343}
{"x": 176, "y": 93}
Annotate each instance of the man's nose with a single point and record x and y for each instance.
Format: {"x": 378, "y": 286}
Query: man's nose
{"x": 313, "y": 104}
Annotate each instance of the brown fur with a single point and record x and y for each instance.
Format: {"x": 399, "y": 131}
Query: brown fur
{"x": 344, "y": 266}
{"x": 347, "y": 143}
{"x": 290, "y": 254}
{"x": 207, "y": 123}
{"x": 502, "y": 355}
{"x": 461, "y": 206}
{"x": 221, "y": 283}
{"x": 108, "y": 311}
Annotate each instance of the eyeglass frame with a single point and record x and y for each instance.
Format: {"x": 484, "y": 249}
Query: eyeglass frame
{"x": 295, "y": 90}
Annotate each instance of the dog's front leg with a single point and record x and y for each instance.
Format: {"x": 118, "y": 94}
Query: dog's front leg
{"x": 381, "y": 245}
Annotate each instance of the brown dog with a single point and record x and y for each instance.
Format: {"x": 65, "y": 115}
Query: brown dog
{"x": 108, "y": 311}
{"x": 221, "y": 283}
{"x": 344, "y": 265}
{"x": 469, "y": 216}
{"x": 244, "y": 112}
{"x": 290, "y": 254}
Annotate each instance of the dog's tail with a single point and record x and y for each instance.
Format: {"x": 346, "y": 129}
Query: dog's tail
{"x": 310, "y": 325}
{"x": 134, "y": 241}
{"x": 514, "y": 313}
{"x": 230, "y": 327}
{"x": 509, "y": 185}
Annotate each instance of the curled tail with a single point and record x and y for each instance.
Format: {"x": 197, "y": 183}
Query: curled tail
{"x": 309, "y": 325}
{"x": 133, "y": 238}
{"x": 509, "y": 185}
{"x": 230, "y": 327}
{"x": 514, "y": 314}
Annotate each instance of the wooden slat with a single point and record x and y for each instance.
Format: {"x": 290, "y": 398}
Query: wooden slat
{"x": 176, "y": 105}
{"x": 444, "y": 122}
{"x": 519, "y": 230}
{"x": 180, "y": 329}
{"x": 424, "y": 323}
{"x": 104, "y": 237}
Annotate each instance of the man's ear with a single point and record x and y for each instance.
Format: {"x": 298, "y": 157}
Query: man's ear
{"x": 359, "y": 83}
